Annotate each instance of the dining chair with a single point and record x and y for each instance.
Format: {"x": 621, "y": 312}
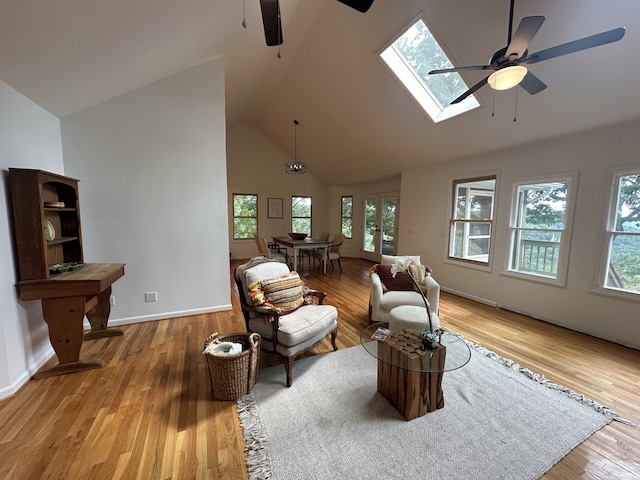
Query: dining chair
{"x": 309, "y": 251}
{"x": 333, "y": 252}
{"x": 265, "y": 251}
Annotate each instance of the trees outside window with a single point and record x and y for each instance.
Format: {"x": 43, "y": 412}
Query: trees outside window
{"x": 347, "y": 216}
{"x": 540, "y": 227}
{"x": 622, "y": 257}
{"x": 301, "y": 215}
{"x": 245, "y": 216}
{"x": 471, "y": 223}
{"x": 411, "y": 56}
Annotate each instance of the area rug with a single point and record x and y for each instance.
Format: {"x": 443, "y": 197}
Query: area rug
{"x": 500, "y": 421}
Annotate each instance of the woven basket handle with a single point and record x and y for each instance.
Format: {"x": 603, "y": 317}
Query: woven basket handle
{"x": 254, "y": 339}
{"x": 210, "y": 339}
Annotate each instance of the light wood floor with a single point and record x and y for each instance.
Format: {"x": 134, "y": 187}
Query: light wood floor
{"x": 149, "y": 414}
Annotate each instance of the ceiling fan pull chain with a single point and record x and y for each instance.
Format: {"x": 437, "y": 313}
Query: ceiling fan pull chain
{"x": 244, "y": 16}
{"x": 279, "y": 55}
{"x": 493, "y": 106}
{"x": 515, "y": 110}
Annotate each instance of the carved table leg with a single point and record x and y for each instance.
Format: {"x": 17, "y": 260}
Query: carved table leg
{"x": 98, "y": 317}
{"x": 64, "y": 317}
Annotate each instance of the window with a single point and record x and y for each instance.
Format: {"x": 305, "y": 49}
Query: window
{"x": 540, "y": 228}
{"x": 245, "y": 216}
{"x": 411, "y": 57}
{"x": 347, "y": 216}
{"x": 622, "y": 272}
{"x": 301, "y": 215}
{"x": 471, "y": 223}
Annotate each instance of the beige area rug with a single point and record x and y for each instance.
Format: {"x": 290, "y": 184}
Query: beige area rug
{"x": 500, "y": 421}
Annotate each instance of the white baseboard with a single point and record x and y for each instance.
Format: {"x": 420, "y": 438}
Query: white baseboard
{"x": 491, "y": 303}
{"x": 113, "y": 322}
{"x": 11, "y": 389}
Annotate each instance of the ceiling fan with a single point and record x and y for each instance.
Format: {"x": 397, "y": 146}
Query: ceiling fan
{"x": 272, "y": 21}
{"x": 508, "y": 62}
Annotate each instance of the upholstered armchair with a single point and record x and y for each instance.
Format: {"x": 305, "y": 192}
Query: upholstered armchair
{"x": 276, "y": 304}
{"x": 384, "y": 298}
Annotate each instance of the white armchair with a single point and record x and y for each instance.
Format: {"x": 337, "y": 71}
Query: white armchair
{"x": 381, "y": 302}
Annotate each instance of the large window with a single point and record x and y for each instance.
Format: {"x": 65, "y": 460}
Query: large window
{"x": 622, "y": 270}
{"x": 540, "y": 227}
{"x": 347, "y": 216}
{"x": 301, "y": 215}
{"x": 245, "y": 216}
{"x": 411, "y": 57}
{"x": 471, "y": 224}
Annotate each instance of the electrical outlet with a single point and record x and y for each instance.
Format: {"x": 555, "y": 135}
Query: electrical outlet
{"x": 151, "y": 297}
{"x": 112, "y": 300}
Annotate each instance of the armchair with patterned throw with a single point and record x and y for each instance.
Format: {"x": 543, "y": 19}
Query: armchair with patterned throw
{"x": 289, "y": 317}
{"x": 388, "y": 292}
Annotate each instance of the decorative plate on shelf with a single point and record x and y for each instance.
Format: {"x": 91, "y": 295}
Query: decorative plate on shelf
{"x": 65, "y": 267}
{"x": 49, "y": 231}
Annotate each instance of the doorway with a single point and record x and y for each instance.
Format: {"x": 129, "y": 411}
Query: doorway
{"x": 380, "y": 225}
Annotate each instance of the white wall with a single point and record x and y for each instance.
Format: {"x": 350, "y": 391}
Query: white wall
{"x": 152, "y": 170}
{"x": 29, "y": 138}
{"x": 255, "y": 165}
{"x": 575, "y": 305}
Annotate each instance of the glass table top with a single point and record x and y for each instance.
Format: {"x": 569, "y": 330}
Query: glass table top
{"x": 400, "y": 345}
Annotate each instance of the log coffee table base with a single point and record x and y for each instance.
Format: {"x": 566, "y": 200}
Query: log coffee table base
{"x": 413, "y": 393}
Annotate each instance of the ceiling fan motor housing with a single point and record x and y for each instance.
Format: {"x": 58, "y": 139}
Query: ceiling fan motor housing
{"x": 498, "y": 60}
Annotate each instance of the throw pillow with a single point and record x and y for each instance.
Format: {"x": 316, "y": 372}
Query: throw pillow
{"x": 284, "y": 293}
{"x": 419, "y": 273}
{"x": 401, "y": 281}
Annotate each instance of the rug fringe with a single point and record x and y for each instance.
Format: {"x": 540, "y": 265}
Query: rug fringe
{"x": 257, "y": 458}
{"x": 543, "y": 381}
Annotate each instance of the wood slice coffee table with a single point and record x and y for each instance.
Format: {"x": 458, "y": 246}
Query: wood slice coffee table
{"x": 410, "y": 377}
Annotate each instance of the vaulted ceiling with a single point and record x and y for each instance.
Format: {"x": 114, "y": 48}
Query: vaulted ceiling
{"x": 355, "y": 119}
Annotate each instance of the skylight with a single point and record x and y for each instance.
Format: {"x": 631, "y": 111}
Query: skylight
{"x": 415, "y": 53}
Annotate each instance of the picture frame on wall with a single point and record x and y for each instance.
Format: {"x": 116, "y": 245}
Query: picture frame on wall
{"x": 275, "y": 208}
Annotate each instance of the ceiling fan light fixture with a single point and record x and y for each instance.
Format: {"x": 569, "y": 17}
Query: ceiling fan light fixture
{"x": 507, "y": 77}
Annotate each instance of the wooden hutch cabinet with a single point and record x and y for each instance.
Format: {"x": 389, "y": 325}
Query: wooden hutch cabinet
{"x": 50, "y": 265}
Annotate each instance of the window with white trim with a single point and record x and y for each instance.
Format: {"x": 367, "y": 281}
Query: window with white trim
{"x": 622, "y": 272}
{"x": 540, "y": 227}
{"x": 471, "y": 223}
{"x": 301, "y": 215}
{"x": 245, "y": 216}
{"x": 346, "y": 216}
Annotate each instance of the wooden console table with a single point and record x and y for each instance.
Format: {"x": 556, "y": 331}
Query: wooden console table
{"x": 66, "y": 299}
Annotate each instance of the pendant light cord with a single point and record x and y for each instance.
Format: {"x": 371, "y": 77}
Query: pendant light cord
{"x": 244, "y": 16}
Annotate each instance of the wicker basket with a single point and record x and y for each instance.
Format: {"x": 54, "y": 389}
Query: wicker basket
{"x": 233, "y": 376}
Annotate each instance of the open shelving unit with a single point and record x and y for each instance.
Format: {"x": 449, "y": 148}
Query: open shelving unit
{"x": 47, "y": 234}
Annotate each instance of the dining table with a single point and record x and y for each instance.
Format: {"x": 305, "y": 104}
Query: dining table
{"x": 307, "y": 243}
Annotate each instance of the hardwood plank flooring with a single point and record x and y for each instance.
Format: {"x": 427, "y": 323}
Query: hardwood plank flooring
{"x": 149, "y": 413}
